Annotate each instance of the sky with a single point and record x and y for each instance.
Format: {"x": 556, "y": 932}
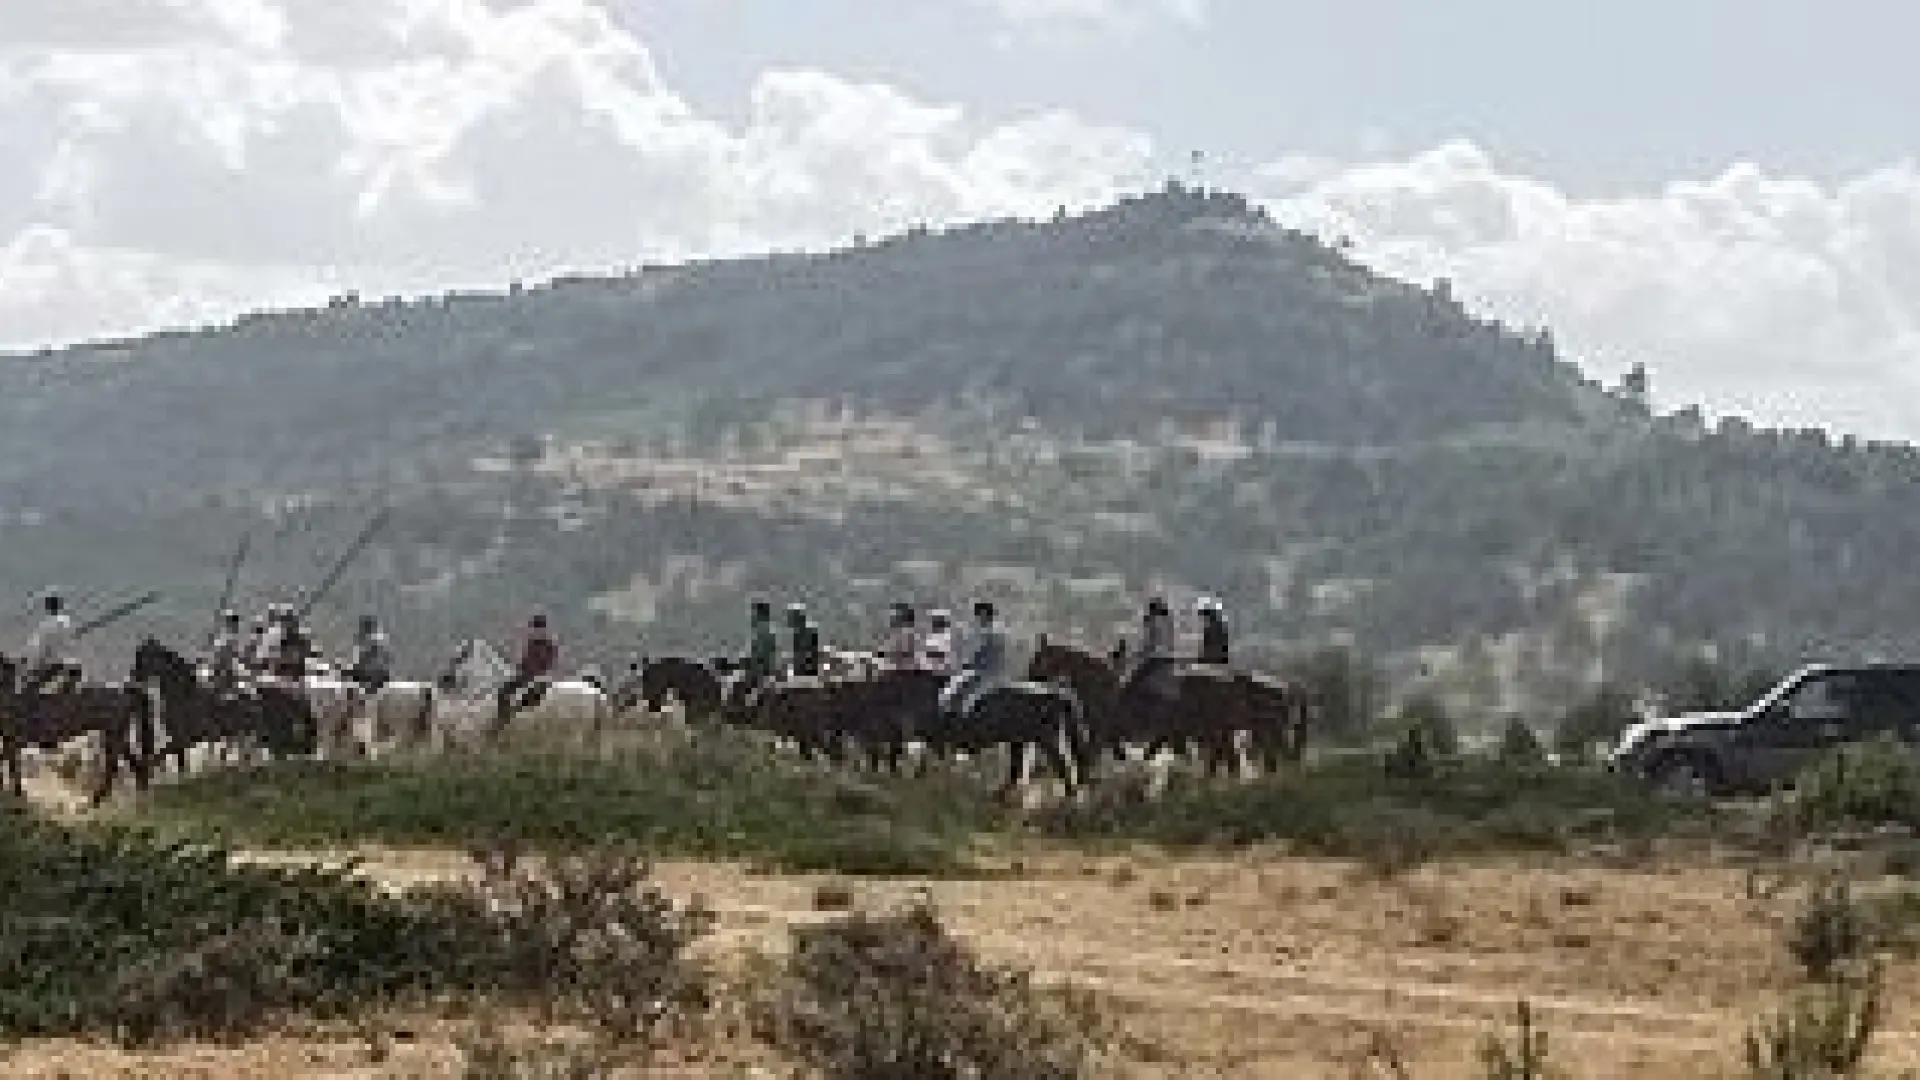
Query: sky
{"x": 1725, "y": 192}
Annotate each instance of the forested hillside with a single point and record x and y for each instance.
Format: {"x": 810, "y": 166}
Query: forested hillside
{"x": 1170, "y": 393}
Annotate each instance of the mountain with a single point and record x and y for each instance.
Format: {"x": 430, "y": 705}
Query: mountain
{"x": 1168, "y": 393}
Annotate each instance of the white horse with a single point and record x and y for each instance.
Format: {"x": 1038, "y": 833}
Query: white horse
{"x": 478, "y": 671}
{"x": 353, "y": 723}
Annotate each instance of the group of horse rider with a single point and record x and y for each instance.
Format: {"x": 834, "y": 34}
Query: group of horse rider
{"x": 977, "y": 660}
{"x": 974, "y": 661}
{"x": 279, "y": 644}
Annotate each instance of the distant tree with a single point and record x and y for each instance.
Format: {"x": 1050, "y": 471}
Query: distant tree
{"x": 1350, "y": 690}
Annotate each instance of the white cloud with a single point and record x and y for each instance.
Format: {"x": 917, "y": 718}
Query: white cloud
{"x": 1109, "y": 16}
{"x": 182, "y": 160}
{"x": 414, "y": 144}
{"x": 1765, "y": 295}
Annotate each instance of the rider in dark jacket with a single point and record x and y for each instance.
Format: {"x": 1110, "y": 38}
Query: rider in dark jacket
{"x": 1213, "y": 632}
{"x": 806, "y": 641}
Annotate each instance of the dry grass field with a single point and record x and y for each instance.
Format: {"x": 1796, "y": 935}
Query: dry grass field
{"x": 1261, "y": 965}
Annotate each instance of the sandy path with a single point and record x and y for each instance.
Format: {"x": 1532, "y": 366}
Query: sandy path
{"x": 1276, "y": 967}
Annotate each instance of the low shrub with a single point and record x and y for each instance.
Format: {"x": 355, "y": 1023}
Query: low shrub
{"x": 1866, "y": 785}
{"x": 896, "y": 997}
{"x": 1351, "y": 808}
{"x": 114, "y": 931}
{"x": 1823, "y": 1034}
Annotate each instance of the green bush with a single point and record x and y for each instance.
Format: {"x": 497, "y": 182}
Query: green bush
{"x": 702, "y": 797}
{"x": 1877, "y": 783}
{"x": 898, "y": 998}
{"x": 1520, "y": 745}
{"x": 112, "y": 931}
{"x": 1351, "y": 808}
{"x": 1822, "y": 1035}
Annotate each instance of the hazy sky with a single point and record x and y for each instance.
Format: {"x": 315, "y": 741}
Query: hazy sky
{"x": 1724, "y": 190}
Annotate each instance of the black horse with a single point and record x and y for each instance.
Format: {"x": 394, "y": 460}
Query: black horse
{"x": 278, "y": 719}
{"x": 1028, "y": 718}
{"x": 119, "y": 717}
{"x": 694, "y": 684}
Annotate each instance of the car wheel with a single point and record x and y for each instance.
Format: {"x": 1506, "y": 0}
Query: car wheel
{"x": 1683, "y": 776}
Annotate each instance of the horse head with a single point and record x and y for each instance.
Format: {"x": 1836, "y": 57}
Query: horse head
{"x": 152, "y": 660}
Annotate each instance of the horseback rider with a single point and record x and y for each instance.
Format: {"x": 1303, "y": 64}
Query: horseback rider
{"x": 539, "y": 655}
{"x": 226, "y": 661}
{"x": 267, "y": 632}
{"x": 1154, "y": 663}
{"x": 763, "y": 645}
{"x": 900, "y": 649}
{"x": 50, "y": 665}
{"x": 985, "y": 668}
{"x": 1213, "y": 631}
{"x": 806, "y": 641}
{"x": 292, "y": 646}
{"x": 938, "y": 648}
{"x": 371, "y": 664}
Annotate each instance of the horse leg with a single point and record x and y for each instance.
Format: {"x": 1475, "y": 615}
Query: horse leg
{"x": 1059, "y": 752}
{"x": 111, "y": 750}
{"x": 1016, "y": 767}
{"x": 14, "y": 780}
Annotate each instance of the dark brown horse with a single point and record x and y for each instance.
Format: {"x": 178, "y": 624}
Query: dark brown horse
{"x": 1210, "y": 710}
{"x": 695, "y": 684}
{"x": 120, "y": 718}
{"x": 194, "y": 714}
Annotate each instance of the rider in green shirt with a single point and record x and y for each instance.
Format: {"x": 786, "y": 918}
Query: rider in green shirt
{"x": 763, "y": 645}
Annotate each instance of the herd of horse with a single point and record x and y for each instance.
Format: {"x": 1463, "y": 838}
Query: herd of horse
{"x": 1072, "y": 711}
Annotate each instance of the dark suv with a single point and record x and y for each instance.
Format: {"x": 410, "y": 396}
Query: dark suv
{"x": 1767, "y": 743}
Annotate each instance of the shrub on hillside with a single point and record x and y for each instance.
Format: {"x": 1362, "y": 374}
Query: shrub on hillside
{"x": 896, "y": 997}
{"x": 1597, "y": 721}
{"x": 111, "y": 931}
{"x": 1520, "y": 745}
{"x": 1427, "y": 738}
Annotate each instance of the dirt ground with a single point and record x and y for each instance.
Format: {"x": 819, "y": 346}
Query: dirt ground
{"x": 1260, "y": 966}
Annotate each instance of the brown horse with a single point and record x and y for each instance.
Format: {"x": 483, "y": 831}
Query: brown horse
{"x": 1211, "y": 708}
{"x": 119, "y": 717}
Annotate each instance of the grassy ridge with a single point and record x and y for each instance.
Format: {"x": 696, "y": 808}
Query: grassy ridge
{"x": 725, "y": 796}
{"x": 708, "y": 796}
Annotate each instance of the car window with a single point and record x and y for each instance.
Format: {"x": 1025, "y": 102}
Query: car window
{"x": 1887, "y": 701}
{"x": 1821, "y": 697}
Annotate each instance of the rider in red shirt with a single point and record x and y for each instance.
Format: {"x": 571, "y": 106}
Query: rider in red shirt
{"x": 539, "y": 654}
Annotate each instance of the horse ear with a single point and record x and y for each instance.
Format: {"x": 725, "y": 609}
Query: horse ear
{"x": 1040, "y": 641}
